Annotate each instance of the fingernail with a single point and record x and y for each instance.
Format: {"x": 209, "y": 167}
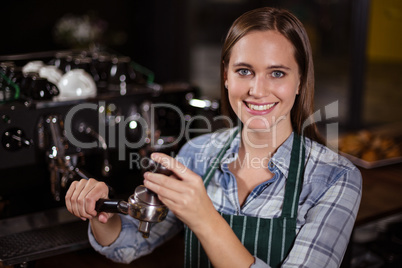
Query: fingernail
{"x": 84, "y": 219}
{"x": 154, "y": 156}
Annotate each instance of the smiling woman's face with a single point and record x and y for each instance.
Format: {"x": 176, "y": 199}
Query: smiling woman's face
{"x": 262, "y": 79}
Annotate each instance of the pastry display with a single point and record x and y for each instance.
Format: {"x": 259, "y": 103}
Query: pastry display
{"x": 369, "y": 146}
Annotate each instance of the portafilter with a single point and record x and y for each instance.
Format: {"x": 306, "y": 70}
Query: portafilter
{"x": 144, "y": 205}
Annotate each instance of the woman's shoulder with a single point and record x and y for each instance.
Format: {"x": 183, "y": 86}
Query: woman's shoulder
{"x": 327, "y": 165}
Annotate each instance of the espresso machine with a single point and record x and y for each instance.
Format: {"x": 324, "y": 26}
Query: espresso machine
{"x": 49, "y": 139}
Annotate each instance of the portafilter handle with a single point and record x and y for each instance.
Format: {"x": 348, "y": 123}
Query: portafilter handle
{"x": 112, "y": 206}
{"x": 143, "y": 205}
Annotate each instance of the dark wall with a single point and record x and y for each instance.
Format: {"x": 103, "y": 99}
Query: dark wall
{"x": 152, "y": 30}
{"x": 158, "y": 34}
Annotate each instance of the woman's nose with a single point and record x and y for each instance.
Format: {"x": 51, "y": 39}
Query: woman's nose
{"x": 259, "y": 87}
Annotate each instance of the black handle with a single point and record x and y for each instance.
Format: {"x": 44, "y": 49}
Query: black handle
{"x": 111, "y": 206}
{"x": 152, "y": 166}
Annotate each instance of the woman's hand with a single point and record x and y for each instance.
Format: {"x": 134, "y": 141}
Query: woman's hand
{"x": 81, "y": 198}
{"x": 183, "y": 193}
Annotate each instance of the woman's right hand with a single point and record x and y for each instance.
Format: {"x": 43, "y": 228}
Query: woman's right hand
{"x": 81, "y": 198}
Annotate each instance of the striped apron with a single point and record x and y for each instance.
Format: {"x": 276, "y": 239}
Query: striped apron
{"x": 268, "y": 239}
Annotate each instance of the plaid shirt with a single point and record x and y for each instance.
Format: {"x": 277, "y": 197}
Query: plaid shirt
{"x": 328, "y": 202}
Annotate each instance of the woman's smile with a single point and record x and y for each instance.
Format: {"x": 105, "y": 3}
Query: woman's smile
{"x": 263, "y": 79}
{"x": 259, "y": 108}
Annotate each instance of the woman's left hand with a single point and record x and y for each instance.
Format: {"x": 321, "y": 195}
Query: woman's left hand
{"x": 183, "y": 192}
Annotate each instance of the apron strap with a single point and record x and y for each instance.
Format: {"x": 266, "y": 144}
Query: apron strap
{"x": 217, "y": 160}
{"x": 269, "y": 239}
{"x": 294, "y": 181}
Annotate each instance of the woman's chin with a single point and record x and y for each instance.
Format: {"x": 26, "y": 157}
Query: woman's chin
{"x": 258, "y": 126}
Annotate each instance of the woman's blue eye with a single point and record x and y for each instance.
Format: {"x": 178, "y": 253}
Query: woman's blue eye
{"x": 277, "y": 74}
{"x": 244, "y": 72}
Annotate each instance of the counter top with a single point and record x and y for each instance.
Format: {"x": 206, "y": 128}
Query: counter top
{"x": 382, "y": 193}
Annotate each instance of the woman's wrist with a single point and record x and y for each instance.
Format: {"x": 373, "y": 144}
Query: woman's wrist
{"x": 221, "y": 244}
{"x": 206, "y": 226}
{"x": 106, "y": 233}
{"x": 205, "y": 221}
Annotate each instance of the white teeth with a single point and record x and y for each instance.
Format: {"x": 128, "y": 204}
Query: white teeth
{"x": 260, "y": 107}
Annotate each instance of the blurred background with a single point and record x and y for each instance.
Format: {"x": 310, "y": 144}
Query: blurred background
{"x": 358, "y": 69}
{"x": 356, "y": 43}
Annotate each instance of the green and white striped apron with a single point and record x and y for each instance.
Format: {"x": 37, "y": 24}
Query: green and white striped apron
{"x": 268, "y": 239}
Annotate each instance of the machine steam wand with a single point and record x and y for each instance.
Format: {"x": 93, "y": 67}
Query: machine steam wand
{"x": 63, "y": 162}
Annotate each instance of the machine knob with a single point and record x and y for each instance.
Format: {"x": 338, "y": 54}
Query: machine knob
{"x": 14, "y": 139}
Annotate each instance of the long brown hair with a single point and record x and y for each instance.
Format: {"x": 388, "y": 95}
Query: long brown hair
{"x": 268, "y": 18}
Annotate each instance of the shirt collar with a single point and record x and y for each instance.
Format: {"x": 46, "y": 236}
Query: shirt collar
{"x": 280, "y": 159}
{"x": 232, "y": 151}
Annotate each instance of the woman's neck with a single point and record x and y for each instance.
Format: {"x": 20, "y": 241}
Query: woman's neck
{"x": 263, "y": 143}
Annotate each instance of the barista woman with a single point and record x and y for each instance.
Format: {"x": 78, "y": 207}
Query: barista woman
{"x": 263, "y": 194}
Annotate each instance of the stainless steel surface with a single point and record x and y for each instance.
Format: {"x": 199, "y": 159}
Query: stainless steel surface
{"x": 147, "y": 208}
{"x": 144, "y": 228}
{"x": 143, "y": 205}
{"x": 144, "y": 195}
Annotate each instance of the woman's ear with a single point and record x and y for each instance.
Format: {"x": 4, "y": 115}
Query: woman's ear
{"x": 298, "y": 87}
{"x": 225, "y": 75}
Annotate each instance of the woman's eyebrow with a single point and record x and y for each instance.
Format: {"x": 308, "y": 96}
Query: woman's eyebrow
{"x": 278, "y": 67}
{"x": 243, "y": 64}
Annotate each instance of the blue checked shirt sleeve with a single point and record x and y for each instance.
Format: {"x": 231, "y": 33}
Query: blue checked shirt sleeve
{"x": 130, "y": 244}
{"x": 323, "y": 239}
